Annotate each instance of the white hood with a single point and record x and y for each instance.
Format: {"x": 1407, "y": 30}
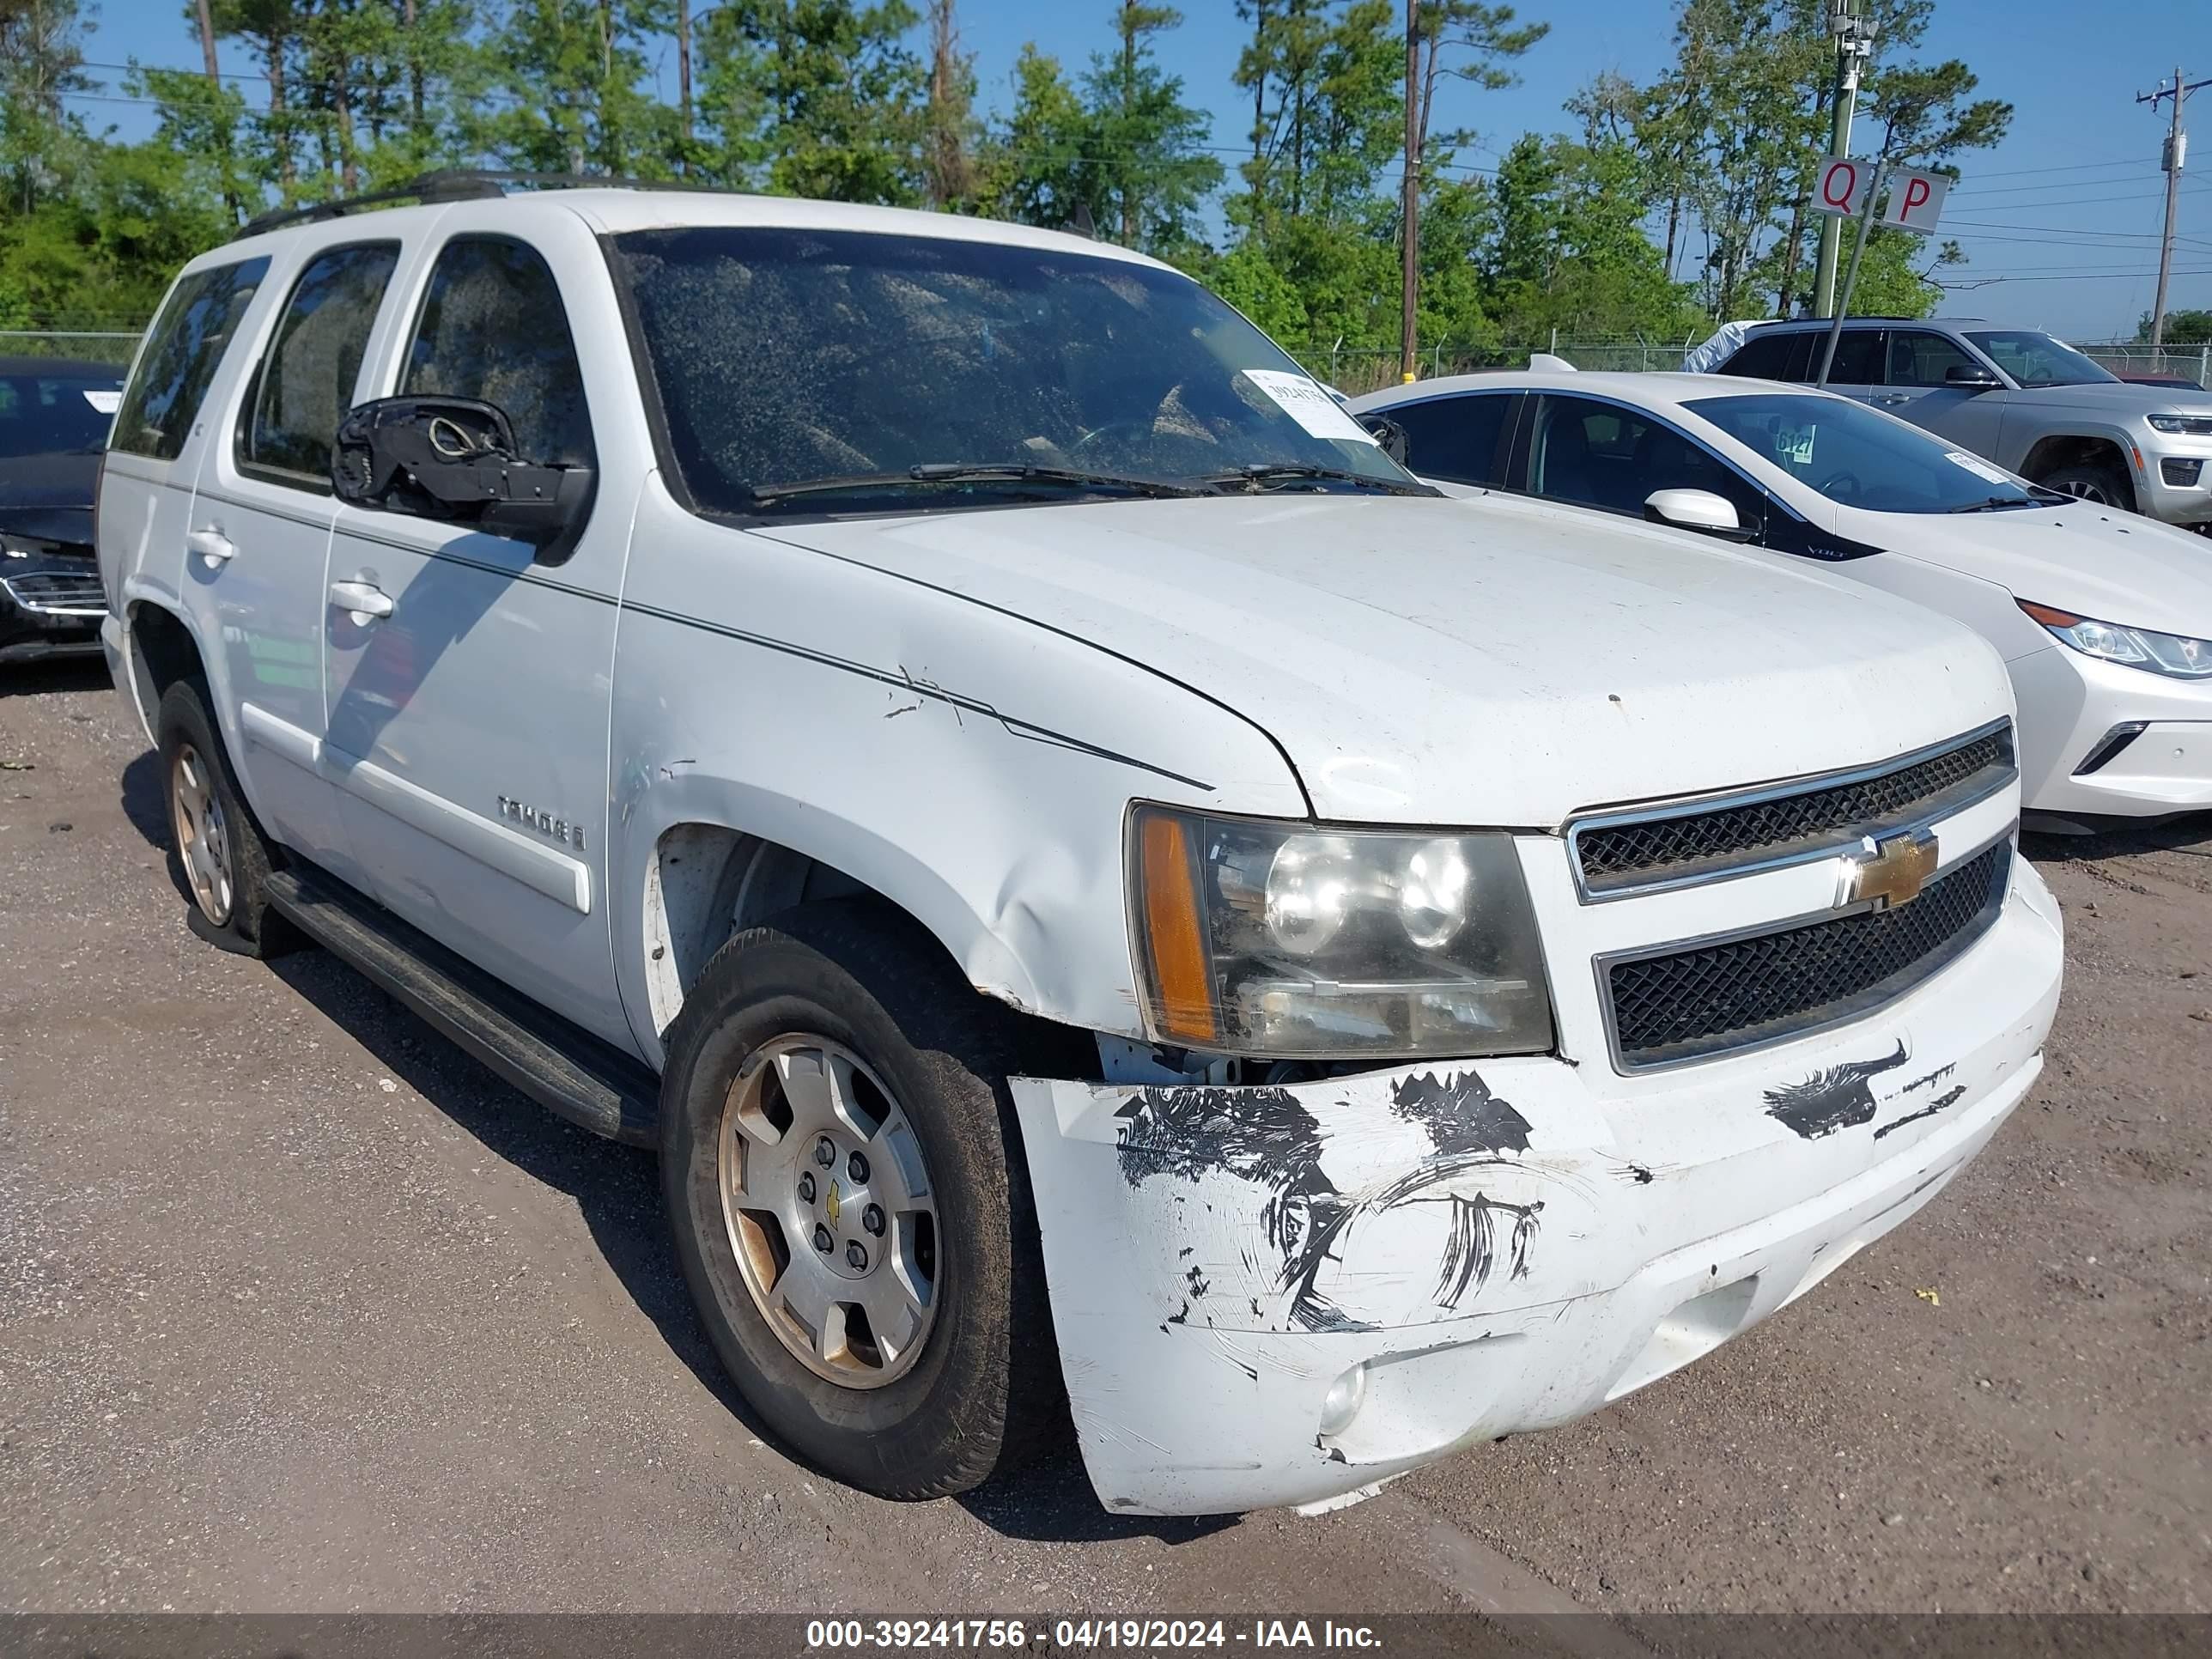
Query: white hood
{"x": 2116, "y": 567}
{"x": 1437, "y": 661}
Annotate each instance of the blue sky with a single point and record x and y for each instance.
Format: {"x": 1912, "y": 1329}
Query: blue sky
{"x": 2066, "y": 212}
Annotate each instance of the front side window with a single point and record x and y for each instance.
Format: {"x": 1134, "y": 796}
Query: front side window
{"x": 1920, "y": 358}
{"x": 847, "y": 371}
{"x": 493, "y": 328}
{"x": 62, "y": 411}
{"x": 180, "y": 359}
{"x": 1457, "y": 439}
{"x": 1597, "y": 454}
{"x": 306, "y": 383}
{"x": 2037, "y": 359}
{"x": 1860, "y": 458}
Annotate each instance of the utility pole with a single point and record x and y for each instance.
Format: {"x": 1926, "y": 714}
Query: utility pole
{"x": 1854, "y": 36}
{"x": 2177, "y": 150}
{"x": 1410, "y": 300}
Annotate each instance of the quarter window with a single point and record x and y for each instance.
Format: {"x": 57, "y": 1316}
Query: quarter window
{"x": 306, "y": 383}
{"x": 181, "y": 357}
{"x": 1457, "y": 439}
{"x": 493, "y": 328}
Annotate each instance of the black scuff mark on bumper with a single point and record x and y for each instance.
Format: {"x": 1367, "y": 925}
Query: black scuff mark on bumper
{"x": 1930, "y": 1080}
{"x": 1840, "y": 1098}
{"x": 1949, "y": 1098}
{"x": 1266, "y": 1137}
{"x": 1640, "y": 1174}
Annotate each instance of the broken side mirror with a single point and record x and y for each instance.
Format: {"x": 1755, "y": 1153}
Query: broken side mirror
{"x": 1387, "y": 433}
{"x": 454, "y": 459}
{"x": 1697, "y": 509}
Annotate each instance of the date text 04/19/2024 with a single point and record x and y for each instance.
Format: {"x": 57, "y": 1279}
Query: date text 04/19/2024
{"x": 1074, "y": 1634}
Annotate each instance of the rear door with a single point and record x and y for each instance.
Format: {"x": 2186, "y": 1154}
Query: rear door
{"x": 261, "y": 531}
{"x": 468, "y": 722}
{"x": 1858, "y": 370}
{"x": 154, "y": 450}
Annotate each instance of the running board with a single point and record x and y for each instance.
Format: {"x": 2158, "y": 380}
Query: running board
{"x": 563, "y": 1068}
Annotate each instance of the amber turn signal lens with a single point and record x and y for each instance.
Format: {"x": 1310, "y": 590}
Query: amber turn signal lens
{"x": 2048, "y": 616}
{"x": 1175, "y": 938}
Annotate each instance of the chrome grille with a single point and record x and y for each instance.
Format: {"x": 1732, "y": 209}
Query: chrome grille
{"x": 59, "y": 593}
{"x": 1695, "y": 841}
{"x": 1740, "y": 992}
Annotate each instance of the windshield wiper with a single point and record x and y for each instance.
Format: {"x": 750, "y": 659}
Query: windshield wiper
{"x": 1264, "y": 472}
{"x": 929, "y": 474}
{"x": 2036, "y": 496}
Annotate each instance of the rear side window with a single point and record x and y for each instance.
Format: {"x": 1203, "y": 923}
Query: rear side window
{"x": 306, "y": 383}
{"x": 493, "y": 328}
{"x": 1770, "y": 357}
{"x": 181, "y": 357}
{"x": 1858, "y": 355}
{"x": 1457, "y": 439}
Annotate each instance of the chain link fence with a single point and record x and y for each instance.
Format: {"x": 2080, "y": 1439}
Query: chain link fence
{"x": 2129, "y": 359}
{"x": 98, "y": 345}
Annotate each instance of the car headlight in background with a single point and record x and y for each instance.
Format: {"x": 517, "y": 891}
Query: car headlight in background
{"x": 2173, "y": 655}
{"x": 1272, "y": 939}
{"x": 2193, "y": 426}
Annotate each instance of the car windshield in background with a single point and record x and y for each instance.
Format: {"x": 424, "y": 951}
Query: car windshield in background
{"x": 53, "y": 413}
{"x": 2037, "y": 359}
{"x": 847, "y": 371}
{"x": 1859, "y": 458}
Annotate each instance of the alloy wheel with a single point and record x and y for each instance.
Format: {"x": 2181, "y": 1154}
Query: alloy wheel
{"x": 830, "y": 1210}
{"x": 195, "y": 818}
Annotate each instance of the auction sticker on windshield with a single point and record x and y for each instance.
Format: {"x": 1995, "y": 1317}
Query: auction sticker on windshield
{"x": 1302, "y": 398}
{"x": 1979, "y": 467}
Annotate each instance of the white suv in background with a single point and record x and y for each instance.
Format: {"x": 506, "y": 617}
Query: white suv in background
{"x": 1091, "y": 876}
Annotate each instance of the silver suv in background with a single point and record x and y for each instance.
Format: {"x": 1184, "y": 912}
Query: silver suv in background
{"x": 2015, "y": 395}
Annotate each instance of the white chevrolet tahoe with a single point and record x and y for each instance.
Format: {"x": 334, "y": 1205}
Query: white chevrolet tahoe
{"x": 1110, "y": 899}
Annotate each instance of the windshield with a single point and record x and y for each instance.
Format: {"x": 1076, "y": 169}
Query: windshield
{"x": 1859, "y": 458}
{"x": 2037, "y": 359}
{"x": 886, "y": 371}
{"x": 42, "y": 413}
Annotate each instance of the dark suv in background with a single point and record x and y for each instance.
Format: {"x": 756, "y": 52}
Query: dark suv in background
{"x": 54, "y": 415}
{"x": 2017, "y": 396}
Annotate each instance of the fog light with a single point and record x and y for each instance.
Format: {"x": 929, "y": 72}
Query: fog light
{"x": 1343, "y": 1399}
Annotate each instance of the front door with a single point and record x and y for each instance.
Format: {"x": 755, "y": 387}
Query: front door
{"x": 469, "y": 685}
{"x": 262, "y": 540}
{"x": 1920, "y": 390}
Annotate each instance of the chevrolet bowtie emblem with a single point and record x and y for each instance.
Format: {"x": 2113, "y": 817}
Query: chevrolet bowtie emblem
{"x": 836, "y": 1204}
{"x": 1889, "y": 871}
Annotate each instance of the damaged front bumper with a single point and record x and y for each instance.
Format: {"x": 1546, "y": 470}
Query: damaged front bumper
{"x": 1287, "y": 1295}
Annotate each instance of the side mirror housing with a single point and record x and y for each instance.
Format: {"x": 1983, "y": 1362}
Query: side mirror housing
{"x": 1971, "y": 377}
{"x": 1697, "y": 509}
{"x": 1388, "y": 434}
{"x": 454, "y": 459}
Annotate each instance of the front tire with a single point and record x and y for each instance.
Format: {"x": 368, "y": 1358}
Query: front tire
{"x": 849, "y": 1203}
{"x": 2100, "y": 485}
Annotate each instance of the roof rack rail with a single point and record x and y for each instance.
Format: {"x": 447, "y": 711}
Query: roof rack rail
{"x": 461, "y": 185}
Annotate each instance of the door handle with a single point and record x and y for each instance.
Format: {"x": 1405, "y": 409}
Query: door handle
{"x": 365, "y": 600}
{"x": 212, "y": 545}
{"x": 1898, "y": 398}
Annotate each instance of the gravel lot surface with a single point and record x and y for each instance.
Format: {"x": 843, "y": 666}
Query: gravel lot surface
{"x": 301, "y": 1310}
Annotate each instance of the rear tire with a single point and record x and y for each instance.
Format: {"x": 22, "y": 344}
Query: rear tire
{"x": 217, "y": 852}
{"x": 852, "y": 988}
{"x": 2098, "y": 484}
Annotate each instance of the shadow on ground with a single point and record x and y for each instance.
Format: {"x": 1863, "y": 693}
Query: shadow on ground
{"x": 54, "y": 676}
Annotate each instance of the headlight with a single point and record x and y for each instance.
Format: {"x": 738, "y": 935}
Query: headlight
{"x": 2173, "y": 655}
{"x": 2194, "y": 426}
{"x": 1280, "y": 941}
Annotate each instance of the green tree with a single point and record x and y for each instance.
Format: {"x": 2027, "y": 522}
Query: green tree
{"x": 1149, "y": 144}
{"x": 2182, "y": 327}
